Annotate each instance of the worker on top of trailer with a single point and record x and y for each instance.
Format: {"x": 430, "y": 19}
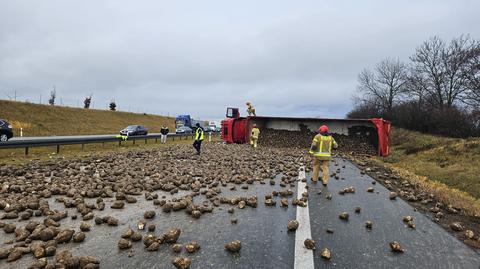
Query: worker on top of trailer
{"x": 250, "y": 109}
{"x": 199, "y": 136}
{"x": 321, "y": 149}
{"x": 254, "y": 136}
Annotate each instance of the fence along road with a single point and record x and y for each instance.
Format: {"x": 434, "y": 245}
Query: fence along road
{"x": 30, "y": 142}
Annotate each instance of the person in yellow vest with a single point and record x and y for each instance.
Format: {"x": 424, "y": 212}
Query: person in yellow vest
{"x": 250, "y": 109}
{"x": 321, "y": 150}
{"x": 199, "y": 136}
{"x": 254, "y": 136}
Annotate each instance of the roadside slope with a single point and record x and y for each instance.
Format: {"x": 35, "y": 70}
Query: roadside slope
{"x": 453, "y": 162}
{"x": 44, "y": 120}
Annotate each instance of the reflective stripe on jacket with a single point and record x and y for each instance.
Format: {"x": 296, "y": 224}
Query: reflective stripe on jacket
{"x": 199, "y": 136}
{"x": 322, "y": 145}
{"x": 255, "y": 132}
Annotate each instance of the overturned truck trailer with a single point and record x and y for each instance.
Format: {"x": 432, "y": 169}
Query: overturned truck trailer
{"x": 373, "y": 134}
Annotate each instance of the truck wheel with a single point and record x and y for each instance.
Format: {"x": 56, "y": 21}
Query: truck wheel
{"x": 3, "y": 138}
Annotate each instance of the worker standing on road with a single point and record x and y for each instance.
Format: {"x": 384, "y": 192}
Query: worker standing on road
{"x": 164, "y": 132}
{"x": 254, "y": 136}
{"x": 321, "y": 149}
{"x": 199, "y": 136}
{"x": 250, "y": 109}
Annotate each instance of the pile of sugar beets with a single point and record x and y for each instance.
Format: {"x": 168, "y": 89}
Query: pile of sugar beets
{"x": 39, "y": 197}
{"x": 353, "y": 144}
{"x": 48, "y": 209}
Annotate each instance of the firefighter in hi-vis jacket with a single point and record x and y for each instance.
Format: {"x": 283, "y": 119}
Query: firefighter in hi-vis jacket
{"x": 321, "y": 150}
{"x": 254, "y": 136}
{"x": 250, "y": 109}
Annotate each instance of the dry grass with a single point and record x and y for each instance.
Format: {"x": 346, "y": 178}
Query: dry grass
{"x": 446, "y": 167}
{"x": 40, "y": 120}
{"x": 443, "y": 193}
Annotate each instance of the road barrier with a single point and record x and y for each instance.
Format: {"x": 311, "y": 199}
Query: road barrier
{"x": 63, "y": 141}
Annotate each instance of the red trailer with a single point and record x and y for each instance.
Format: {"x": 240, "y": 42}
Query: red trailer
{"x": 236, "y": 129}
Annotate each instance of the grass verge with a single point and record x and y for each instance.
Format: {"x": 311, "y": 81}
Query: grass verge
{"x": 445, "y": 167}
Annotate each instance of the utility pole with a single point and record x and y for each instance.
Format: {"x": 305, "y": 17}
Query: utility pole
{"x": 40, "y": 99}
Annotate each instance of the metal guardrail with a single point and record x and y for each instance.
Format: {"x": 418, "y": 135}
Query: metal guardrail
{"x": 63, "y": 141}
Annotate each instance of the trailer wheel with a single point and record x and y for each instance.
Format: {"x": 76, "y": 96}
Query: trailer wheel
{"x": 3, "y": 138}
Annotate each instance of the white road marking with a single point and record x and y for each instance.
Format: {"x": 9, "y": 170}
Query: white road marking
{"x": 303, "y": 256}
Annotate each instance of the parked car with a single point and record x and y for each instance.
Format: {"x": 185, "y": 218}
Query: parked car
{"x": 184, "y": 130}
{"x": 134, "y": 130}
{"x": 6, "y": 131}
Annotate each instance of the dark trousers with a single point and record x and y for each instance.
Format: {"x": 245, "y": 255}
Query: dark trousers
{"x": 197, "y": 144}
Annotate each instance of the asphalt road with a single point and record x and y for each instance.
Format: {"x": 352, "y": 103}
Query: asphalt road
{"x": 265, "y": 240}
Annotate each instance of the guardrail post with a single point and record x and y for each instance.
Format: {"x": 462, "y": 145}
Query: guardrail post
{"x": 173, "y": 138}
{"x": 145, "y": 141}
{"x": 120, "y": 143}
{"x": 26, "y": 150}
{"x": 83, "y": 145}
{"x": 58, "y": 149}
{"x": 134, "y": 141}
{"x": 156, "y": 140}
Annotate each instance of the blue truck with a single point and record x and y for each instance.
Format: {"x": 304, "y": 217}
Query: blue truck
{"x": 186, "y": 120}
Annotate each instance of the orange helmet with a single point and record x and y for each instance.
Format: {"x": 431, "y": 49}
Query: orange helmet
{"x": 323, "y": 129}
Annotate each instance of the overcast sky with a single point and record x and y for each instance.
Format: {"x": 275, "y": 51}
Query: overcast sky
{"x": 290, "y": 58}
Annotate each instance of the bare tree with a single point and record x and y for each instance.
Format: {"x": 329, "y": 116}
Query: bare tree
{"x": 439, "y": 69}
{"x": 384, "y": 84}
{"x": 113, "y": 105}
{"x": 472, "y": 75}
{"x": 53, "y": 96}
{"x": 417, "y": 86}
{"x": 87, "y": 102}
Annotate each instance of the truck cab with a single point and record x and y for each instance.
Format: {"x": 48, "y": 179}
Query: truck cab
{"x": 234, "y": 127}
{"x": 183, "y": 120}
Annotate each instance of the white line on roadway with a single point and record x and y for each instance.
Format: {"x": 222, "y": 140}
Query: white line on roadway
{"x": 303, "y": 256}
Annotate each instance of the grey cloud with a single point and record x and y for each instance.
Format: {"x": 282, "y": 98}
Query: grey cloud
{"x": 198, "y": 57}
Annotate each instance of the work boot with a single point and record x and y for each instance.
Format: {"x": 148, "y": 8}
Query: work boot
{"x": 325, "y": 183}
{"x": 314, "y": 180}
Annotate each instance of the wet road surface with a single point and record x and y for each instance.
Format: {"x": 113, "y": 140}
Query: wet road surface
{"x": 263, "y": 232}
{"x": 354, "y": 246}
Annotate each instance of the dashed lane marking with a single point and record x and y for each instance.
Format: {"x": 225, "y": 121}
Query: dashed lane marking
{"x": 303, "y": 256}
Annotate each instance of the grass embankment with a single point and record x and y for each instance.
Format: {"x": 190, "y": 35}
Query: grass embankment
{"x": 44, "y": 120}
{"x": 446, "y": 167}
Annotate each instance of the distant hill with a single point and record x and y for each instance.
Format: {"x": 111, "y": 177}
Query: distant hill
{"x": 44, "y": 120}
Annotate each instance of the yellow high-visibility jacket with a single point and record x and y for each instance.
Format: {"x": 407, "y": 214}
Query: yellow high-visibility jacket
{"x": 255, "y": 133}
{"x": 199, "y": 134}
{"x": 322, "y": 146}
